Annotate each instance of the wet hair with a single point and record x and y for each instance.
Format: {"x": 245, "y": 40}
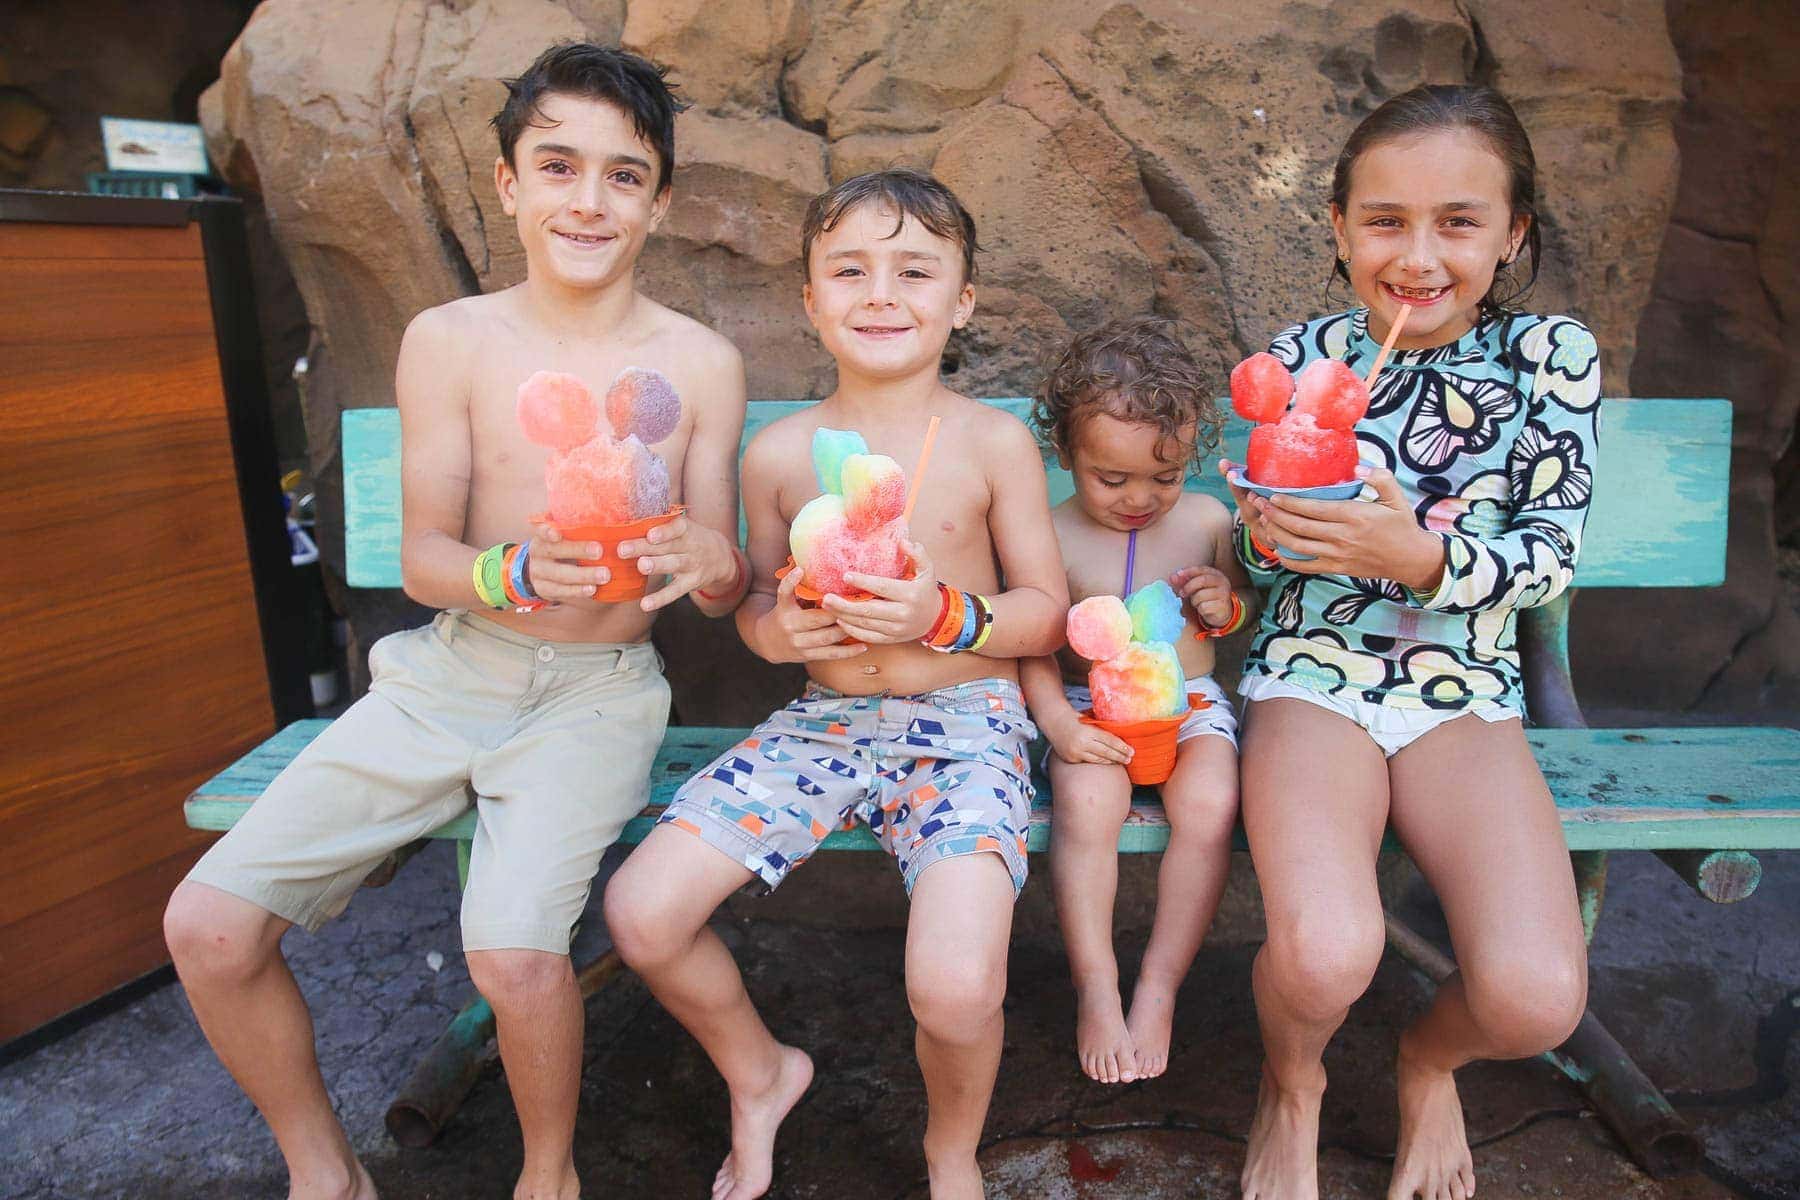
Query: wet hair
{"x": 1136, "y": 369}
{"x": 908, "y": 193}
{"x": 1483, "y": 112}
{"x": 633, "y": 85}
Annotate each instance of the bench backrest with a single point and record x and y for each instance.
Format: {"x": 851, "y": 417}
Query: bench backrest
{"x": 1659, "y": 518}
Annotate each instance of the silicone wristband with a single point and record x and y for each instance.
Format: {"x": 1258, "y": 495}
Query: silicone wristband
{"x": 945, "y": 635}
{"x": 970, "y": 626}
{"x": 987, "y": 622}
{"x": 1231, "y": 626}
{"x": 489, "y": 576}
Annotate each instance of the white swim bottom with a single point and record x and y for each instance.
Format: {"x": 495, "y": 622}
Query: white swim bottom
{"x": 1393, "y": 729}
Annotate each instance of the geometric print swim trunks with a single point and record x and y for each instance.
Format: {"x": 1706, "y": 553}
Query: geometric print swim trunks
{"x": 936, "y": 775}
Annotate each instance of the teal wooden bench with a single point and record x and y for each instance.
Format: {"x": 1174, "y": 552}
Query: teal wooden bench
{"x": 1703, "y": 799}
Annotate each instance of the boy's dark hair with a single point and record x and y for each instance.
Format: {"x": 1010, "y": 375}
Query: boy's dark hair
{"x": 632, "y": 84}
{"x": 1485, "y": 113}
{"x": 910, "y": 194}
{"x": 1136, "y": 369}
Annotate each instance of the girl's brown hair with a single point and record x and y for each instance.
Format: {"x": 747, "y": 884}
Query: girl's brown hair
{"x": 1484, "y": 112}
{"x": 1136, "y": 369}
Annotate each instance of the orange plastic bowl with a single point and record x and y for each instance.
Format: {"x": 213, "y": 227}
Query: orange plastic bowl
{"x": 627, "y": 582}
{"x": 809, "y": 595}
{"x": 1152, "y": 742}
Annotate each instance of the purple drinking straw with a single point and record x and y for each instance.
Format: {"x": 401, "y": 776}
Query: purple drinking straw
{"x": 1130, "y": 558}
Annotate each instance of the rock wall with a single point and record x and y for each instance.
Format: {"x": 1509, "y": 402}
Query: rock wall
{"x": 1123, "y": 158}
{"x": 1724, "y": 320}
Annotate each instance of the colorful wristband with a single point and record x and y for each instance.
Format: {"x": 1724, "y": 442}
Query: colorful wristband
{"x": 987, "y": 623}
{"x": 518, "y": 583}
{"x": 1264, "y": 557}
{"x": 489, "y": 575}
{"x": 950, "y": 623}
{"x": 1239, "y": 610}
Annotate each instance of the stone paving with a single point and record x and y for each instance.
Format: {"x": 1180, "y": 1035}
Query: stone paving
{"x": 132, "y": 1104}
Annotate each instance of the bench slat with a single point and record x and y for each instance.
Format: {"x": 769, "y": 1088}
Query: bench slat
{"x": 1616, "y": 789}
{"x": 1658, "y": 520}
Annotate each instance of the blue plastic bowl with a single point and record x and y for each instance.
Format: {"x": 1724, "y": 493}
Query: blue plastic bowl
{"x": 1325, "y": 491}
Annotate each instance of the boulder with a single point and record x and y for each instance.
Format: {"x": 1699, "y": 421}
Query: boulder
{"x": 1139, "y": 156}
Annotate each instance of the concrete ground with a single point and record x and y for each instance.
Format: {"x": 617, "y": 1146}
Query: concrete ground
{"x": 132, "y": 1104}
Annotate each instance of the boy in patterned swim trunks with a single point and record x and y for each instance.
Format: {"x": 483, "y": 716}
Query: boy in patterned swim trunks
{"x": 928, "y": 748}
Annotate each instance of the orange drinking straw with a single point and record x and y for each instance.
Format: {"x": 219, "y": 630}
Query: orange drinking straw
{"x": 1387, "y": 346}
{"x": 912, "y": 493}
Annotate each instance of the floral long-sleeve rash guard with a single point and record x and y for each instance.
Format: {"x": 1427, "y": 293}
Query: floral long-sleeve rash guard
{"x": 1492, "y": 439}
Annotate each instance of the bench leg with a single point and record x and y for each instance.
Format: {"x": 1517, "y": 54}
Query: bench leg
{"x": 1632, "y": 1107}
{"x": 1590, "y": 887}
{"x": 438, "y": 1085}
{"x": 1722, "y": 876}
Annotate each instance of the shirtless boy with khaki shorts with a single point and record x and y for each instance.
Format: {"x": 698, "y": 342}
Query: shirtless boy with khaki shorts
{"x": 547, "y": 721}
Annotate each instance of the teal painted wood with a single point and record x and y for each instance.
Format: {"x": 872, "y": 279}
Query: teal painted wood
{"x": 1660, "y": 490}
{"x": 371, "y": 448}
{"x": 1616, "y": 789}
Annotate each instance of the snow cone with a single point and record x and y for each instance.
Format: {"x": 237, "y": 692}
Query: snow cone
{"x": 1308, "y": 450}
{"x": 604, "y": 486}
{"x": 855, "y": 524}
{"x": 1136, "y": 678}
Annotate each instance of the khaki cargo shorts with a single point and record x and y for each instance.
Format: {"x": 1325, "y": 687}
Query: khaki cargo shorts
{"x": 550, "y": 742}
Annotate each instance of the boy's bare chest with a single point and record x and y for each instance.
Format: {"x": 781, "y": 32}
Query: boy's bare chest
{"x": 499, "y": 448}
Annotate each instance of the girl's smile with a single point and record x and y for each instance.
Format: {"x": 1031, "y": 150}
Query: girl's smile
{"x": 1425, "y": 225}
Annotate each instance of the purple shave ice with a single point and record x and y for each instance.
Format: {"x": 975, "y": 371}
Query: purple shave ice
{"x": 643, "y": 402}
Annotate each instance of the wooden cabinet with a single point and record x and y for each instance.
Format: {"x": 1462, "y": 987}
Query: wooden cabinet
{"x": 147, "y": 614}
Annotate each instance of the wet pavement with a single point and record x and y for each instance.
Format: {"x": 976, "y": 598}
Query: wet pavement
{"x": 132, "y": 1104}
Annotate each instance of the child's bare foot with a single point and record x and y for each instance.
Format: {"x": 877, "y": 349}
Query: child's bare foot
{"x": 1101, "y": 1040}
{"x": 1150, "y": 1025}
{"x": 748, "y": 1169}
{"x": 563, "y": 1185}
{"x": 1432, "y": 1160}
{"x": 359, "y": 1188}
{"x": 955, "y": 1178}
{"x": 1283, "y": 1159}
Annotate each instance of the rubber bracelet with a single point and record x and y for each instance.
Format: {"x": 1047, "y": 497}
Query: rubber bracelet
{"x": 518, "y": 589}
{"x": 971, "y": 623}
{"x": 737, "y": 578}
{"x": 1232, "y": 624}
{"x": 1240, "y": 613}
{"x": 945, "y": 635}
{"x": 987, "y": 623}
{"x": 1264, "y": 556}
{"x": 943, "y": 613}
{"x": 965, "y": 627}
{"x": 518, "y": 585}
{"x": 489, "y": 576}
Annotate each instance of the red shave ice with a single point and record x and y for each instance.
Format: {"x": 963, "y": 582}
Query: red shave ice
{"x": 556, "y": 410}
{"x": 1260, "y": 388}
{"x": 1296, "y": 453}
{"x": 873, "y": 552}
{"x": 590, "y": 484}
{"x": 1331, "y": 393}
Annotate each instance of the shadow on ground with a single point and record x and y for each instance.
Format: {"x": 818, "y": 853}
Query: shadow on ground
{"x": 131, "y": 1104}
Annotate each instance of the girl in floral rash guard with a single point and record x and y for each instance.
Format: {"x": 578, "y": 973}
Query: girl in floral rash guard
{"x": 1491, "y": 441}
{"x": 1383, "y": 684}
